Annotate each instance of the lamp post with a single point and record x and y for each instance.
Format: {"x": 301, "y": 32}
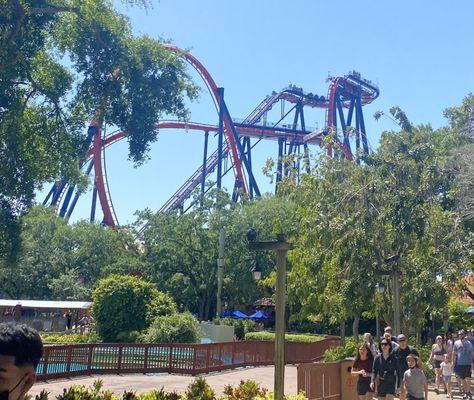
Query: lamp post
{"x": 280, "y": 247}
{"x": 379, "y": 288}
{"x": 220, "y": 271}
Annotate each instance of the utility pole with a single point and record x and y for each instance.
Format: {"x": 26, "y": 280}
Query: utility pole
{"x": 396, "y": 299}
{"x": 281, "y": 247}
{"x": 220, "y": 271}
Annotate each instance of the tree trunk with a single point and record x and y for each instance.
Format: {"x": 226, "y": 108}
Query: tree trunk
{"x": 207, "y": 308}
{"x": 202, "y": 302}
{"x": 355, "y": 328}
{"x": 343, "y": 332}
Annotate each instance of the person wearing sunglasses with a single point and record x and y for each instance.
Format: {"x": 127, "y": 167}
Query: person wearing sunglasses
{"x": 385, "y": 370}
{"x": 21, "y": 349}
{"x": 463, "y": 353}
{"x": 400, "y": 354}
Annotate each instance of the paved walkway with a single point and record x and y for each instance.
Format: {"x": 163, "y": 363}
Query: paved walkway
{"x": 143, "y": 383}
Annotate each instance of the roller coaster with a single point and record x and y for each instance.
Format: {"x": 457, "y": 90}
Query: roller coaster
{"x": 343, "y": 107}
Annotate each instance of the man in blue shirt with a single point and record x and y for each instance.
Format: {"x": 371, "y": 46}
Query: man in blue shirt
{"x": 462, "y": 360}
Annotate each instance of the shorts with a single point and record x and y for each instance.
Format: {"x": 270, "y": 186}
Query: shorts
{"x": 463, "y": 371}
{"x": 363, "y": 387}
{"x": 410, "y": 397}
{"x": 437, "y": 363}
{"x": 385, "y": 387}
{"x": 447, "y": 378}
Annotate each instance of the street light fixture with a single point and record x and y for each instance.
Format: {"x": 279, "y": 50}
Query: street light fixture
{"x": 380, "y": 287}
{"x": 395, "y": 274}
{"x": 256, "y": 272}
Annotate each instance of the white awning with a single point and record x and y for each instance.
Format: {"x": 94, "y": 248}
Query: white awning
{"x": 82, "y": 305}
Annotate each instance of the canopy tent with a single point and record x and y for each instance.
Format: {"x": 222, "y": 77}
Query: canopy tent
{"x": 44, "y": 304}
{"x": 259, "y": 315}
{"x": 239, "y": 314}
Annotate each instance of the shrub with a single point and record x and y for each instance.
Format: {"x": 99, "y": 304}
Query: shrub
{"x": 247, "y": 390}
{"x": 199, "y": 390}
{"x": 241, "y": 326}
{"x": 71, "y": 338}
{"x": 159, "y": 395}
{"x": 289, "y": 337}
{"x": 175, "y": 328}
{"x": 338, "y": 353}
{"x": 123, "y": 303}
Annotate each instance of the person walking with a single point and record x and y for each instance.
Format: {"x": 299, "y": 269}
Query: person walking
{"x": 400, "y": 354}
{"x": 369, "y": 340}
{"x": 446, "y": 371}
{"x": 385, "y": 369}
{"x": 438, "y": 351}
{"x": 388, "y": 330}
{"x": 462, "y": 360}
{"x": 362, "y": 368}
{"x": 414, "y": 380}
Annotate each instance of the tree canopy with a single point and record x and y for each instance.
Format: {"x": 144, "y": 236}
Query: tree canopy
{"x": 64, "y": 63}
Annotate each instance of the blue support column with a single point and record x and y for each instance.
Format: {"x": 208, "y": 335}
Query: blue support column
{"x": 281, "y": 142}
{"x": 243, "y": 157}
{"x": 343, "y": 124}
{"x": 357, "y": 135}
{"x": 94, "y": 202}
{"x": 76, "y": 196}
{"x": 305, "y": 145}
{"x": 204, "y": 166}
{"x": 50, "y": 193}
{"x": 248, "y": 146}
{"x": 220, "y": 137}
{"x": 350, "y": 112}
{"x": 363, "y": 133}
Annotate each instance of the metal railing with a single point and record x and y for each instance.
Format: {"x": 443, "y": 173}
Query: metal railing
{"x": 62, "y": 361}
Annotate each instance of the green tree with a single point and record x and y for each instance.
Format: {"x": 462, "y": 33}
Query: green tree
{"x": 174, "y": 328}
{"x": 59, "y": 261}
{"x": 181, "y": 251}
{"x": 397, "y": 202}
{"x": 64, "y": 63}
{"x": 123, "y": 304}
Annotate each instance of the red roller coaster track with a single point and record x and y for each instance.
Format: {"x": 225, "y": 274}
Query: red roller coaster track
{"x": 344, "y": 92}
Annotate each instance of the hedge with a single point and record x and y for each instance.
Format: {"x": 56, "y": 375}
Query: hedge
{"x": 70, "y": 338}
{"x": 289, "y": 337}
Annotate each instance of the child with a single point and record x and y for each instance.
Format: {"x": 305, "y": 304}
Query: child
{"x": 447, "y": 370}
{"x": 414, "y": 379}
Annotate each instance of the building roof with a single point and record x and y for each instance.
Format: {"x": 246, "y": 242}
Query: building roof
{"x": 54, "y": 305}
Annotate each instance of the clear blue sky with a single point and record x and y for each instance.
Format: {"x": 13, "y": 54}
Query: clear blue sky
{"x": 420, "y": 53}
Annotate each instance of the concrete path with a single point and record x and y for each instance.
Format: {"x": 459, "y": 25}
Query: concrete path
{"x": 144, "y": 382}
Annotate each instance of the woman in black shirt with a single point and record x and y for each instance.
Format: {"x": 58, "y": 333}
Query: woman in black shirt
{"x": 385, "y": 369}
{"x": 363, "y": 369}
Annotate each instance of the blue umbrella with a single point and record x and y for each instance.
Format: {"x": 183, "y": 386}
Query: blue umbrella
{"x": 259, "y": 315}
{"x": 239, "y": 314}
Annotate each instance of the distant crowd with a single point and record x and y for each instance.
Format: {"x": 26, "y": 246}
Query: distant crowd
{"x": 393, "y": 368}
